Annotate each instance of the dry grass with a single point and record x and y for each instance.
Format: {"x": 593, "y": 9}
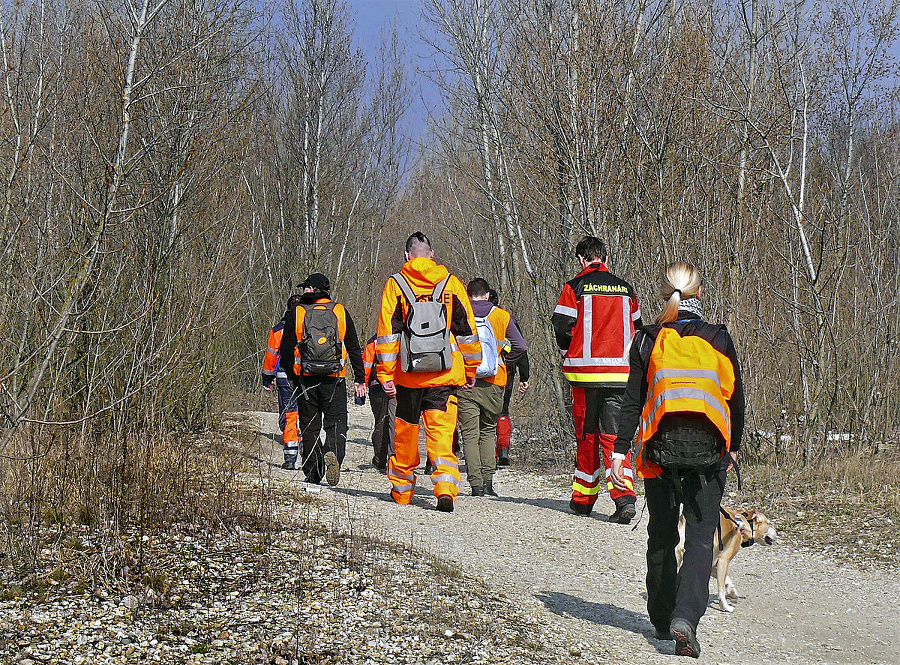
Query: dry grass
{"x": 847, "y": 508}
{"x": 100, "y": 486}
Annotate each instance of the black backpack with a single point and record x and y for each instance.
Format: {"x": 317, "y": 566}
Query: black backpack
{"x": 320, "y": 346}
{"x": 686, "y": 441}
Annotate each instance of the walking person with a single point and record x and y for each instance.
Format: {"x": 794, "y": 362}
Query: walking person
{"x": 273, "y": 372}
{"x": 427, "y": 348}
{"x": 523, "y": 367}
{"x": 320, "y": 337}
{"x": 480, "y": 404}
{"x": 594, "y": 322}
{"x": 685, "y": 391}
{"x": 384, "y": 410}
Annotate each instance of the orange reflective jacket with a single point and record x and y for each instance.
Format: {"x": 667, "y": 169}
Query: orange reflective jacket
{"x": 499, "y": 320}
{"x": 423, "y": 275}
{"x": 685, "y": 374}
{"x": 341, "y": 314}
{"x": 369, "y": 361}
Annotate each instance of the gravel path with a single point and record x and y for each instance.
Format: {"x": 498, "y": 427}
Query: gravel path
{"x": 583, "y": 578}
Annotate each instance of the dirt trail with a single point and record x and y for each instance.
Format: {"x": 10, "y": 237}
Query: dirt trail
{"x": 584, "y": 578}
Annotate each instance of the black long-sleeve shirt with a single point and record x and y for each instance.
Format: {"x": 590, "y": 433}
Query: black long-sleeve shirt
{"x": 639, "y": 360}
{"x": 289, "y": 342}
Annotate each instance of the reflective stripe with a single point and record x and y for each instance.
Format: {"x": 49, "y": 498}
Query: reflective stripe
{"x": 454, "y": 347}
{"x": 393, "y": 473}
{"x": 628, "y": 473}
{"x": 628, "y": 484}
{"x": 598, "y": 377}
{"x": 388, "y": 339}
{"x": 595, "y": 362}
{"x": 467, "y": 339}
{"x": 586, "y": 478}
{"x": 587, "y": 491}
{"x": 387, "y": 357}
{"x": 366, "y": 363}
{"x": 281, "y": 374}
{"x": 443, "y": 460}
{"x": 686, "y": 393}
{"x": 472, "y": 356}
{"x": 636, "y": 315}
{"x": 669, "y": 373}
{"x": 567, "y": 311}
{"x": 404, "y": 488}
{"x": 445, "y": 478}
{"x": 587, "y": 326}
{"x": 274, "y": 352}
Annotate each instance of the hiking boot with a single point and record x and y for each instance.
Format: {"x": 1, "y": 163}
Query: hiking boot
{"x": 332, "y": 468}
{"x": 624, "y": 513}
{"x": 381, "y": 466}
{"x": 289, "y": 464}
{"x": 445, "y": 503}
{"x": 489, "y": 488}
{"x": 477, "y": 490}
{"x": 662, "y": 633}
{"x": 685, "y": 639}
{"x": 579, "y": 508}
{"x": 503, "y": 457}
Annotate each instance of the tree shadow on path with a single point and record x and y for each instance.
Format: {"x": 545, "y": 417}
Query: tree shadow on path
{"x": 603, "y": 614}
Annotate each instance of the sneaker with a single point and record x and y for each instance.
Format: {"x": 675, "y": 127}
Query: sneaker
{"x": 477, "y": 490}
{"x": 503, "y": 457}
{"x": 579, "y": 508}
{"x": 685, "y": 639}
{"x": 489, "y": 488}
{"x": 623, "y": 514}
{"x": 445, "y": 503}
{"x": 332, "y": 468}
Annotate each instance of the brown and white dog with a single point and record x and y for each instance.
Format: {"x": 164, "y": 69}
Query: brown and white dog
{"x": 737, "y": 529}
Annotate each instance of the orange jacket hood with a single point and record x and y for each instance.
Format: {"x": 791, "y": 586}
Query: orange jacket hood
{"x": 422, "y": 273}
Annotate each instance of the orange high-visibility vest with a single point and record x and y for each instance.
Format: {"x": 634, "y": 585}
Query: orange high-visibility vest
{"x": 685, "y": 374}
{"x": 341, "y": 314}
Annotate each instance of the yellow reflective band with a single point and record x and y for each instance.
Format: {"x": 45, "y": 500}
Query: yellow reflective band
{"x": 606, "y": 377}
{"x": 628, "y": 483}
{"x": 587, "y": 491}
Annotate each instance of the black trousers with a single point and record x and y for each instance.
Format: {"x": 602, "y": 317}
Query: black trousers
{"x": 511, "y": 385}
{"x": 684, "y": 593}
{"x": 321, "y": 402}
{"x": 384, "y": 409}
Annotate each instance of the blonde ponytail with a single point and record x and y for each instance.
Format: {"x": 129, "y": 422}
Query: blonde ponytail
{"x": 680, "y": 281}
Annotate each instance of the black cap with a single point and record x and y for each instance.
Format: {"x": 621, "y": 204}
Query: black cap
{"x": 316, "y": 281}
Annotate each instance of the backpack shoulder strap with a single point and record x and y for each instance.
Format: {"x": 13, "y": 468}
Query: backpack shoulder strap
{"x": 438, "y": 293}
{"x": 404, "y": 287}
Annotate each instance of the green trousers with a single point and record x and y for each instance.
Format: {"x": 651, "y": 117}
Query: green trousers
{"x": 479, "y": 409}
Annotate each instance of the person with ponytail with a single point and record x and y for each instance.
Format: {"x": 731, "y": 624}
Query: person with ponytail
{"x": 685, "y": 394}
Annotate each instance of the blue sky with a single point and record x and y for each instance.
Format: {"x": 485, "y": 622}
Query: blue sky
{"x": 374, "y": 16}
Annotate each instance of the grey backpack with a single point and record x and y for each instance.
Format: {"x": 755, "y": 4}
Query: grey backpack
{"x": 425, "y": 340}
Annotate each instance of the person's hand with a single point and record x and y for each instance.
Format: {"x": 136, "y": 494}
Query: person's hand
{"x": 267, "y": 387}
{"x": 389, "y": 388}
{"x": 733, "y": 460}
{"x": 470, "y": 383}
{"x": 617, "y": 476}
{"x": 360, "y": 389}
{"x": 523, "y": 386}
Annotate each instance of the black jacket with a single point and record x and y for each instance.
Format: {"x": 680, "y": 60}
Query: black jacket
{"x": 639, "y": 360}
{"x": 289, "y": 342}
